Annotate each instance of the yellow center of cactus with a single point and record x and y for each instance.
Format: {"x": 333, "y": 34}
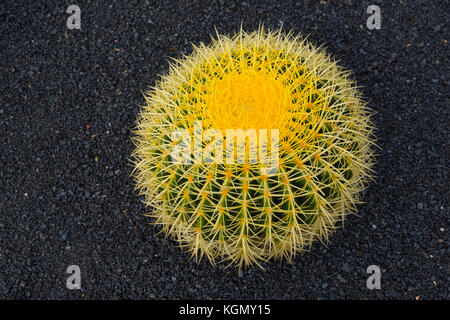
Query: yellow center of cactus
{"x": 248, "y": 100}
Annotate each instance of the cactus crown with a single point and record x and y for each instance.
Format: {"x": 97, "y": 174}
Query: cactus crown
{"x": 235, "y": 211}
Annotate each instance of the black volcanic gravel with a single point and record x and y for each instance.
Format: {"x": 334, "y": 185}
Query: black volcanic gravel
{"x": 70, "y": 97}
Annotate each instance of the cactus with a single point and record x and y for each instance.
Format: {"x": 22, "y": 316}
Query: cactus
{"x": 236, "y": 212}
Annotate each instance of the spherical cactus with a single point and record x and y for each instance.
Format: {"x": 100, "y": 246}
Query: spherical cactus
{"x": 251, "y": 147}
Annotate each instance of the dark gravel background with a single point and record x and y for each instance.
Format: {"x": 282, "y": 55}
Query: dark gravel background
{"x": 68, "y": 101}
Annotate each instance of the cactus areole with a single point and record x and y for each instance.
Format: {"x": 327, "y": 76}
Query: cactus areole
{"x": 251, "y": 147}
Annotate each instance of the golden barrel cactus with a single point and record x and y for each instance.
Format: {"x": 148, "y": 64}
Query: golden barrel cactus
{"x": 251, "y": 147}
